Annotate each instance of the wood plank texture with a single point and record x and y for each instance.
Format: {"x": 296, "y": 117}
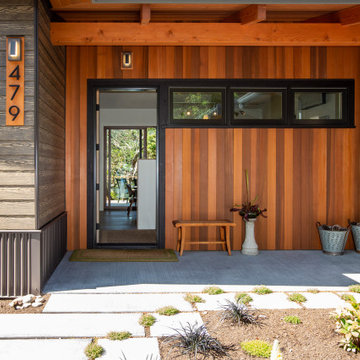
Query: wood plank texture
{"x": 17, "y": 165}
{"x": 205, "y": 34}
{"x": 51, "y": 123}
{"x": 300, "y": 175}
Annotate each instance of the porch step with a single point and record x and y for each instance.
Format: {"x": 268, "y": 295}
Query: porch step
{"x": 104, "y": 303}
{"x": 67, "y": 325}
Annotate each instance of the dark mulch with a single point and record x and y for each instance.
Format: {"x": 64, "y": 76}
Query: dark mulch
{"x": 6, "y": 309}
{"x": 314, "y": 339}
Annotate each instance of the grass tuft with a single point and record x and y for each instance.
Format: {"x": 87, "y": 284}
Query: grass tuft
{"x": 239, "y": 313}
{"x": 192, "y": 299}
{"x": 257, "y": 348}
{"x": 348, "y": 297}
{"x": 313, "y": 291}
{"x": 213, "y": 290}
{"x": 292, "y": 320}
{"x": 147, "y": 320}
{"x": 243, "y": 298}
{"x": 262, "y": 290}
{"x": 355, "y": 288}
{"x": 298, "y": 298}
{"x": 192, "y": 340}
{"x": 93, "y": 350}
{"x": 115, "y": 335}
{"x": 167, "y": 311}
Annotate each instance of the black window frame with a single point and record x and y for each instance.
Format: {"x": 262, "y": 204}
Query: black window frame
{"x": 345, "y": 121}
{"x": 259, "y": 122}
{"x": 200, "y": 122}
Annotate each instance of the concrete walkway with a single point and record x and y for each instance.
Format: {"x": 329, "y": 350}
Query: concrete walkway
{"x": 89, "y": 300}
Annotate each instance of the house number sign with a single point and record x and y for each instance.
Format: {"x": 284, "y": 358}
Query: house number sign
{"x": 15, "y": 81}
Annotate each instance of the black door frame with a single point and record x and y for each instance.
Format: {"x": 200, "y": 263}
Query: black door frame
{"x": 93, "y": 85}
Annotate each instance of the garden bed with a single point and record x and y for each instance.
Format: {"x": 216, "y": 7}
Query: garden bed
{"x": 6, "y": 309}
{"x": 314, "y": 338}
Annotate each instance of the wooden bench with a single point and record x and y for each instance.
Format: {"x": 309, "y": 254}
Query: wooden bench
{"x": 224, "y": 226}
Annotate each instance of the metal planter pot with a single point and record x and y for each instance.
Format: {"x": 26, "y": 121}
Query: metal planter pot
{"x": 355, "y": 229}
{"x": 333, "y": 242}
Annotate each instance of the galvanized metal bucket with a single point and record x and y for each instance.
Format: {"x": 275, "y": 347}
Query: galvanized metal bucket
{"x": 355, "y": 229}
{"x": 333, "y": 242}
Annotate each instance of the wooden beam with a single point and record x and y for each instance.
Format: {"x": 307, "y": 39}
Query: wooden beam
{"x": 346, "y": 17}
{"x": 209, "y": 34}
{"x": 250, "y": 15}
{"x": 145, "y": 14}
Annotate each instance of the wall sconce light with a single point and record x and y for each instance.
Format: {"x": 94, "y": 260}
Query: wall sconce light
{"x": 126, "y": 60}
{"x": 14, "y": 49}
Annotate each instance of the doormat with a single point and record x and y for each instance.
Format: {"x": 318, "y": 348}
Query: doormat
{"x": 126, "y": 255}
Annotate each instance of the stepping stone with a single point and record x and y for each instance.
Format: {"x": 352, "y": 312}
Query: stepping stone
{"x": 322, "y": 301}
{"x": 43, "y": 349}
{"x": 213, "y": 302}
{"x": 102, "y": 303}
{"x": 130, "y": 349}
{"x": 67, "y": 325}
{"x": 165, "y": 325}
{"x": 273, "y": 301}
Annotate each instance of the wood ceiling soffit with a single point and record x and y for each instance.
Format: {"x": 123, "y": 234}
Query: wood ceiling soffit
{"x": 346, "y": 17}
{"x": 250, "y": 15}
{"x": 145, "y": 14}
{"x": 204, "y": 34}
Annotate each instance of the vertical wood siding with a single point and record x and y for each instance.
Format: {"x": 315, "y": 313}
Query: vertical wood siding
{"x": 51, "y": 123}
{"x": 300, "y": 175}
{"x": 17, "y": 165}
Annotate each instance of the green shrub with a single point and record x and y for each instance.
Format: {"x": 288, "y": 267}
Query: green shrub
{"x": 355, "y": 288}
{"x": 168, "y": 311}
{"x": 257, "y": 348}
{"x": 348, "y": 297}
{"x": 298, "y": 298}
{"x": 147, "y": 320}
{"x": 348, "y": 324}
{"x": 262, "y": 290}
{"x": 123, "y": 335}
{"x": 192, "y": 299}
{"x": 292, "y": 320}
{"x": 243, "y": 297}
{"x": 93, "y": 350}
{"x": 313, "y": 291}
{"x": 213, "y": 290}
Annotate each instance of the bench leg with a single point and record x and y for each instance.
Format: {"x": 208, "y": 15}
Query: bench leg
{"x": 222, "y": 237}
{"x": 227, "y": 237}
{"x": 179, "y": 239}
{"x": 182, "y": 242}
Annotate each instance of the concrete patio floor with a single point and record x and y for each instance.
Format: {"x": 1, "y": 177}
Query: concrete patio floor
{"x": 280, "y": 269}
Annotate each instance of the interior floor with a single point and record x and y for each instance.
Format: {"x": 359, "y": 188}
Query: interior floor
{"x": 118, "y": 228}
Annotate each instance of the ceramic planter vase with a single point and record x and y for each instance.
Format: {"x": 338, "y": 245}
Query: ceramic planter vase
{"x": 249, "y": 246}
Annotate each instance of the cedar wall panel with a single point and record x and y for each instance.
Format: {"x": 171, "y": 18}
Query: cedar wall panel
{"x": 51, "y": 123}
{"x": 17, "y": 165}
{"x": 300, "y": 175}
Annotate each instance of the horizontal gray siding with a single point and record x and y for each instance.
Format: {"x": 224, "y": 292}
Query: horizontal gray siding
{"x": 17, "y": 165}
{"x": 51, "y": 123}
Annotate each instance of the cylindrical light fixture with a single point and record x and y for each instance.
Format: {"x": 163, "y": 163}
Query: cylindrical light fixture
{"x": 14, "y": 49}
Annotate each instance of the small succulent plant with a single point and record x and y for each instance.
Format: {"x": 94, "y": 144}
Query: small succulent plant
{"x": 93, "y": 350}
{"x": 213, "y": 290}
{"x": 298, "y": 298}
{"x": 244, "y": 298}
{"x": 355, "y": 288}
{"x": 122, "y": 335}
{"x": 295, "y": 320}
{"x": 192, "y": 299}
{"x": 262, "y": 290}
{"x": 167, "y": 311}
{"x": 147, "y": 320}
{"x": 257, "y": 348}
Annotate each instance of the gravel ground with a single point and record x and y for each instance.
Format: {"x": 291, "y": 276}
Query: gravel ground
{"x": 313, "y": 339}
{"x": 6, "y": 309}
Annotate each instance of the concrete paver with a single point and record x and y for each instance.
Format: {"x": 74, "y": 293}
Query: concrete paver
{"x": 273, "y": 301}
{"x": 213, "y": 302}
{"x": 322, "y": 301}
{"x": 43, "y": 349}
{"x": 130, "y": 349}
{"x": 166, "y": 325}
{"x": 67, "y": 325}
{"x": 79, "y": 303}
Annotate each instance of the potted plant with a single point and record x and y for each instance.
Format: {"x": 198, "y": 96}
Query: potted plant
{"x": 249, "y": 211}
{"x": 355, "y": 229}
{"x": 333, "y": 238}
